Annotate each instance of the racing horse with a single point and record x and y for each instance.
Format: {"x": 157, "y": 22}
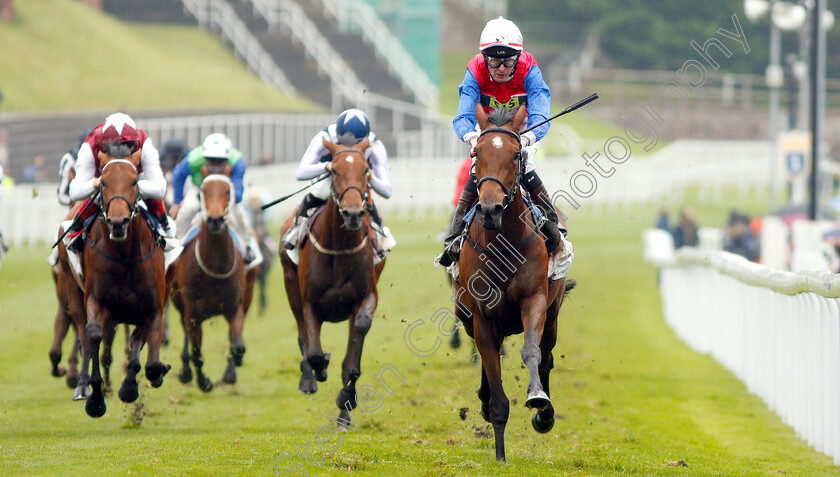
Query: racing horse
{"x": 209, "y": 278}
{"x": 124, "y": 282}
{"x": 335, "y": 278}
{"x": 503, "y": 286}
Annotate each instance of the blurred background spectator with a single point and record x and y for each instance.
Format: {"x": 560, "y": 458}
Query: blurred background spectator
{"x": 685, "y": 233}
{"x": 35, "y": 172}
{"x": 739, "y": 237}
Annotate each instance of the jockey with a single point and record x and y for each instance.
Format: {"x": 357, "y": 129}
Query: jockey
{"x": 65, "y": 166}
{"x": 217, "y": 149}
{"x": 503, "y": 74}
{"x": 351, "y": 127}
{"x": 119, "y": 137}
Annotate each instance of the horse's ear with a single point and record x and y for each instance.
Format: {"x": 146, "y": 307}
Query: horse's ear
{"x": 481, "y": 117}
{"x": 329, "y": 145}
{"x": 521, "y": 113}
{"x": 135, "y": 157}
{"x": 363, "y": 145}
{"x": 103, "y": 159}
{"x": 204, "y": 171}
{"x": 228, "y": 169}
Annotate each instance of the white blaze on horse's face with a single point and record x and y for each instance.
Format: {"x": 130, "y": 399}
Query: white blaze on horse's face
{"x": 497, "y": 142}
{"x": 349, "y": 159}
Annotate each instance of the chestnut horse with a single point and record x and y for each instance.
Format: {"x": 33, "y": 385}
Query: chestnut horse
{"x": 124, "y": 282}
{"x": 335, "y": 278}
{"x": 209, "y": 279}
{"x": 503, "y": 277}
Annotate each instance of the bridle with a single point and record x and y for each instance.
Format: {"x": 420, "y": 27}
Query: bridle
{"x": 132, "y": 205}
{"x": 334, "y": 192}
{"x": 215, "y": 178}
{"x": 510, "y": 193}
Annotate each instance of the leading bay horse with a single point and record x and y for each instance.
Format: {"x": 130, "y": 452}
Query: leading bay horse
{"x": 209, "y": 279}
{"x": 124, "y": 282}
{"x": 503, "y": 277}
{"x": 335, "y": 278}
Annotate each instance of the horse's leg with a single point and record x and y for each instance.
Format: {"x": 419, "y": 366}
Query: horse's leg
{"x": 95, "y": 405}
{"x": 236, "y": 321}
{"x": 155, "y": 369}
{"x": 73, "y": 361}
{"x": 75, "y": 303}
{"x": 488, "y": 345}
{"x": 198, "y": 362}
{"x": 484, "y": 396}
{"x": 108, "y": 334}
{"x": 351, "y": 367}
{"x": 185, "y": 374}
{"x": 543, "y": 419}
{"x": 60, "y": 327}
{"x": 165, "y": 341}
{"x": 312, "y": 351}
{"x": 533, "y": 322}
{"x": 129, "y": 391}
{"x": 307, "y": 384}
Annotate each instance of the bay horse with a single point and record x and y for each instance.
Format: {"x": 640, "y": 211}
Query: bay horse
{"x": 503, "y": 286}
{"x": 335, "y": 278}
{"x": 209, "y": 279}
{"x": 124, "y": 282}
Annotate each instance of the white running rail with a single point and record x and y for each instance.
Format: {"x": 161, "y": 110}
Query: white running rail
{"x": 777, "y": 331}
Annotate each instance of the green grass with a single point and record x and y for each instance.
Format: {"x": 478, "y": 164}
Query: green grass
{"x": 631, "y": 399}
{"x": 60, "y": 55}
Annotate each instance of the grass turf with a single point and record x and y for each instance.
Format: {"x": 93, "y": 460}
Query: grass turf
{"x": 631, "y": 399}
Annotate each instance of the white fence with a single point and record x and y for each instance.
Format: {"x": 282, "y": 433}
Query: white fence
{"x": 778, "y": 332}
{"x": 426, "y": 185}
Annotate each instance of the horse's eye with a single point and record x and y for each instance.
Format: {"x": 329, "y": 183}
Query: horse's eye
{"x": 135, "y": 182}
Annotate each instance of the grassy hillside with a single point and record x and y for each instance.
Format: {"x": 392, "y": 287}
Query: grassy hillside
{"x": 60, "y": 55}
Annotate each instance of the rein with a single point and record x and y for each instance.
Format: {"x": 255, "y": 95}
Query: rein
{"x": 209, "y": 272}
{"x": 122, "y": 261}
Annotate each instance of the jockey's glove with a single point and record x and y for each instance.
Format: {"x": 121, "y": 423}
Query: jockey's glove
{"x": 528, "y": 138}
{"x": 471, "y": 138}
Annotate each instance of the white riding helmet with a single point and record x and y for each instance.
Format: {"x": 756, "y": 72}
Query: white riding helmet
{"x": 217, "y": 145}
{"x": 500, "y": 38}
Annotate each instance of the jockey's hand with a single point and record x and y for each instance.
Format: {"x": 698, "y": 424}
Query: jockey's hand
{"x": 97, "y": 182}
{"x": 173, "y": 210}
{"x": 528, "y": 139}
{"x": 328, "y": 167}
{"x": 471, "y": 138}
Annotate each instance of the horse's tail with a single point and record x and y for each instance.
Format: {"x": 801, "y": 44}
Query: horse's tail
{"x": 570, "y": 284}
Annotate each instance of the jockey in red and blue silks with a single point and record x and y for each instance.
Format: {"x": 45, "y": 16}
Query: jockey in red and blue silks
{"x": 119, "y": 131}
{"x": 504, "y": 75}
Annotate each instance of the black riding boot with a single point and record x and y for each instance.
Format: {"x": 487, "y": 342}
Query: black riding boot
{"x": 451, "y": 247}
{"x": 539, "y": 195}
{"x": 309, "y": 201}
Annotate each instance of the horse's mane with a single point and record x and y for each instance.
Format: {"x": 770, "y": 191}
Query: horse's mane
{"x": 117, "y": 150}
{"x": 347, "y": 139}
{"x": 501, "y": 116}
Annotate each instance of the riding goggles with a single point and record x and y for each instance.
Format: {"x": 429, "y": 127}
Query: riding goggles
{"x": 509, "y": 62}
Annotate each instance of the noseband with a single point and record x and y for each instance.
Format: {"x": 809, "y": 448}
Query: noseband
{"x": 510, "y": 193}
{"x": 132, "y": 205}
{"x": 335, "y": 195}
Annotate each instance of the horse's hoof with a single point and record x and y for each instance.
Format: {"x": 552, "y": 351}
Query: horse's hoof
{"x": 543, "y": 425}
{"x": 230, "y": 375}
{"x": 155, "y": 373}
{"x": 185, "y": 375}
{"x": 129, "y": 391}
{"x": 538, "y": 400}
{"x": 72, "y": 381}
{"x": 81, "y": 393}
{"x": 319, "y": 365}
{"x": 58, "y": 371}
{"x": 238, "y": 355}
{"x": 95, "y": 407}
{"x": 308, "y": 385}
{"x": 205, "y": 384}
